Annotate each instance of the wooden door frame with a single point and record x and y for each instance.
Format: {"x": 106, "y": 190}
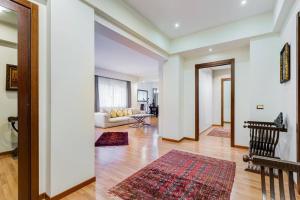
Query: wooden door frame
{"x": 28, "y": 104}
{"x": 222, "y": 99}
{"x": 298, "y": 96}
{"x": 230, "y": 62}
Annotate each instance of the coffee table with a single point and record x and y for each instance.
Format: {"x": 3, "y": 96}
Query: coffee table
{"x": 140, "y": 120}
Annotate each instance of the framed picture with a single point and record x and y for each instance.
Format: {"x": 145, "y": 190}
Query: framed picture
{"x": 11, "y": 77}
{"x": 285, "y": 63}
{"x": 142, "y": 95}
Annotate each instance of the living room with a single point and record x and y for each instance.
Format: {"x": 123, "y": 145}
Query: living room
{"x": 126, "y": 88}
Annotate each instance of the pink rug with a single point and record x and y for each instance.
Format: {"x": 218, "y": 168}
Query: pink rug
{"x": 220, "y": 132}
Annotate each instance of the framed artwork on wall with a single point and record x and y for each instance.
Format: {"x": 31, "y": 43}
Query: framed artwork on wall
{"x": 11, "y": 77}
{"x": 142, "y": 95}
{"x": 285, "y": 62}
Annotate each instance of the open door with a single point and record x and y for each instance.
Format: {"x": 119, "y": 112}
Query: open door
{"x": 19, "y": 41}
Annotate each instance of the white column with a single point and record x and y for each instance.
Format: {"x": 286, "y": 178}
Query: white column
{"x": 171, "y": 90}
{"x": 72, "y": 94}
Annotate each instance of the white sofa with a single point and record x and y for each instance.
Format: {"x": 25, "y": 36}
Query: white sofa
{"x": 103, "y": 118}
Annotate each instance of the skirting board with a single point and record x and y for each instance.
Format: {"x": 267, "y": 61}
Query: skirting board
{"x": 6, "y": 153}
{"x": 172, "y": 140}
{"x": 206, "y": 129}
{"x": 241, "y": 147}
{"x": 44, "y": 196}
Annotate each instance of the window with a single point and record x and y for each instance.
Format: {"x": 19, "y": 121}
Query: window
{"x": 112, "y": 93}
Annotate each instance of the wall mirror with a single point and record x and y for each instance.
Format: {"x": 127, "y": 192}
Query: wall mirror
{"x": 142, "y": 96}
{"x": 9, "y": 102}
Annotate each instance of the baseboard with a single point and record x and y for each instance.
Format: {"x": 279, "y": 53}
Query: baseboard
{"x": 206, "y": 129}
{"x": 173, "y": 140}
{"x": 6, "y": 153}
{"x": 44, "y": 196}
{"x": 241, "y": 147}
{"x": 216, "y": 124}
{"x": 69, "y": 191}
{"x": 188, "y": 138}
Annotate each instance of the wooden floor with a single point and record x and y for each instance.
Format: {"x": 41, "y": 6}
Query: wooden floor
{"x": 114, "y": 164}
{"x": 8, "y": 178}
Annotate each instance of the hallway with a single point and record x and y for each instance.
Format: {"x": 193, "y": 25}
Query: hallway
{"x": 114, "y": 164}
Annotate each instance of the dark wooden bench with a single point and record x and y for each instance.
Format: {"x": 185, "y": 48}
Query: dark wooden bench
{"x": 280, "y": 165}
{"x": 264, "y": 137}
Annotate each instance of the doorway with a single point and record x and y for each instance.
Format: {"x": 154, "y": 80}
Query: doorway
{"x": 211, "y": 65}
{"x": 225, "y": 101}
{"x": 20, "y": 17}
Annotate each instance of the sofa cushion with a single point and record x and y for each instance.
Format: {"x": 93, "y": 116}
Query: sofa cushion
{"x": 113, "y": 114}
{"x": 118, "y": 119}
{"x": 120, "y": 113}
{"x": 129, "y": 112}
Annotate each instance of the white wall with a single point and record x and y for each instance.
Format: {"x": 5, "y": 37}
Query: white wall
{"x": 171, "y": 110}
{"x": 144, "y": 85}
{"x": 280, "y": 13}
{"x": 266, "y": 88}
{"x": 8, "y": 100}
{"x": 44, "y": 101}
{"x": 132, "y": 20}
{"x": 161, "y": 99}
{"x": 227, "y": 102}
{"x": 8, "y": 33}
{"x": 205, "y": 98}
{"x": 241, "y": 56}
{"x": 235, "y": 31}
{"x": 116, "y": 75}
{"x": 72, "y": 94}
{"x": 287, "y": 92}
{"x": 264, "y": 78}
{"x": 217, "y": 77}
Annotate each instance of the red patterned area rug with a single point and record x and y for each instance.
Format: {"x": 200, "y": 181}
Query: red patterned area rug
{"x": 112, "y": 139}
{"x": 220, "y": 132}
{"x": 179, "y": 175}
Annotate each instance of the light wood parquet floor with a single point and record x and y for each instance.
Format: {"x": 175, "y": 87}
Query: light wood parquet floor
{"x": 114, "y": 164}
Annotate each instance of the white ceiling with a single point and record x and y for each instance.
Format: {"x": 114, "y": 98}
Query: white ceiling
{"x": 116, "y": 56}
{"x": 196, "y": 15}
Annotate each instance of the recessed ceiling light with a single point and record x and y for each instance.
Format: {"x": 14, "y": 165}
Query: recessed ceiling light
{"x": 176, "y": 25}
{"x": 243, "y": 2}
{"x": 210, "y": 49}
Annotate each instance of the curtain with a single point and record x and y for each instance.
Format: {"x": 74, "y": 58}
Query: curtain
{"x": 112, "y": 93}
{"x": 129, "y": 94}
